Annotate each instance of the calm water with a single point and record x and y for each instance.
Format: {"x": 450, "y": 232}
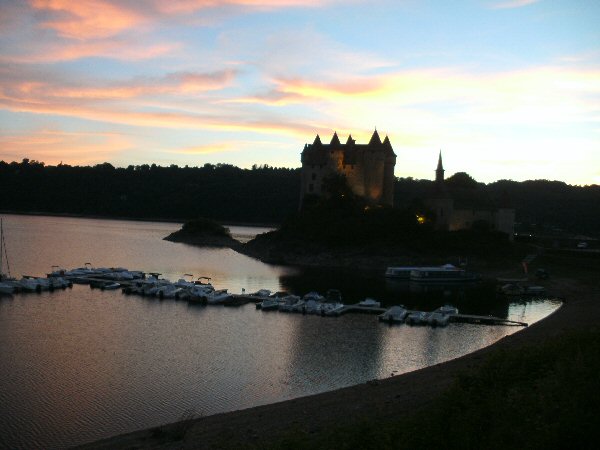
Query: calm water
{"x": 80, "y": 365}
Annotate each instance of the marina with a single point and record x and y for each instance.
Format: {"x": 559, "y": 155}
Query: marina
{"x": 85, "y": 363}
{"x": 202, "y": 292}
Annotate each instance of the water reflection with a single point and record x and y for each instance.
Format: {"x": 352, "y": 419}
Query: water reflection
{"x": 82, "y": 364}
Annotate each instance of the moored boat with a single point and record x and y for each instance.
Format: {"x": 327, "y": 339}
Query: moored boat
{"x": 442, "y": 274}
{"x": 396, "y": 314}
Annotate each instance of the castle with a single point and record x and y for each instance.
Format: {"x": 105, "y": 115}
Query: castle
{"x": 369, "y": 172}
{"x": 368, "y": 168}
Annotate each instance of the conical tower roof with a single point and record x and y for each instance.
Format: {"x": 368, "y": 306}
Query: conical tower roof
{"x": 375, "y": 139}
{"x": 387, "y": 145}
{"x": 335, "y": 140}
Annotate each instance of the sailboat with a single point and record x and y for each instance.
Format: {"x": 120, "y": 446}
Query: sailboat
{"x": 8, "y": 285}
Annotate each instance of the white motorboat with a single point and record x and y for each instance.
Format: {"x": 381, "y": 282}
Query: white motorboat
{"x": 312, "y": 307}
{"x": 369, "y": 303}
{"x": 217, "y": 297}
{"x": 331, "y": 309}
{"x": 261, "y": 293}
{"x": 33, "y": 284}
{"x": 315, "y": 296}
{"x": 268, "y": 304}
{"x": 417, "y": 318}
{"x": 396, "y": 313}
{"x": 57, "y": 282}
{"x": 437, "y": 318}
{"x": 168, "y": 290}
{"x": 186, "y": 281}
{"x": 286, "y": 304}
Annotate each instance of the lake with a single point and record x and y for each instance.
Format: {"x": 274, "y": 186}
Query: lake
{"x": 80, "y": 365}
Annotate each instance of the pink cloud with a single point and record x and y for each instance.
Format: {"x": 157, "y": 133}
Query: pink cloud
{"x": 55, "y": 146}
{"x": 87, "y": 19}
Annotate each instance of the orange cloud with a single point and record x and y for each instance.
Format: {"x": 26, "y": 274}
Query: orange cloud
{"x": 188, "y": 6}
{"x": 177, "y": 83}
{"x": 55, "y": 146}
{"x": 87, "y": 19}
{"x": 205, "y": 149}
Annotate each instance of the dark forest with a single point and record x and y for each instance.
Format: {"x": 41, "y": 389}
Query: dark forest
{"x": 262, "y": 194}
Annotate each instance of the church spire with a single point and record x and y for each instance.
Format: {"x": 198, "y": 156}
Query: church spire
{"x": 439, "y": 172}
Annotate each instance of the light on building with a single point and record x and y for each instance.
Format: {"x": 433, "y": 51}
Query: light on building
{"x": 420, "y": 219}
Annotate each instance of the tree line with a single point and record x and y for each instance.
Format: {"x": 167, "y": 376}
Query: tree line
{"x": 261, "y": 194}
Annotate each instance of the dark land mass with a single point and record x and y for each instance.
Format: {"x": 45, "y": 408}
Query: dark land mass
{"x": 204, "y": 233}
{"x": 262, "y": 194}
{"x": 537, "y": 388}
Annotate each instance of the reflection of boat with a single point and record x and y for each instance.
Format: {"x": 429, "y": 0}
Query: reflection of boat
{"x": 519, "y": 289}
{"x": 442, "y": 274}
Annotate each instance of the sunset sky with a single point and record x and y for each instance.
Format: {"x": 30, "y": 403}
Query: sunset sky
{"x": 506, "y": 89}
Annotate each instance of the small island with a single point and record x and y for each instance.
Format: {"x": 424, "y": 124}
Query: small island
{"x": 204, "y": 233}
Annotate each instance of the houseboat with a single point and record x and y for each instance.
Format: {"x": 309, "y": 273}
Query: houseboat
{"x": 400, "y": 272}
{"x": 442, "y": 274}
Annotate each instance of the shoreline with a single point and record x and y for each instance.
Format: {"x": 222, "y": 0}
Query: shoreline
{"x": 395, "y": 396}
{"x": 131, "y": 219}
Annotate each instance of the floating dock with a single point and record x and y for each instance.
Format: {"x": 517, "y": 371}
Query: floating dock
{"x": 241, "y": 299}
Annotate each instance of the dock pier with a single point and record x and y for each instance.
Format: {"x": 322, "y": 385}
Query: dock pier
{"x": 241, "y": 299}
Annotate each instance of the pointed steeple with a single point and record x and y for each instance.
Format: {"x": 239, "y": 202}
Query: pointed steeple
{"x": 335, "y": 140}
{"x": 350, "y": 141}
{"x": 317, "y": 142}
{"x": 387, "y": 145}
{"x": 375, "y": 139}
{"x": 439, "y": 172}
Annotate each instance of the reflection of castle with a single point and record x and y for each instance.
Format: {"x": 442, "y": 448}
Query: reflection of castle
{"x": 455, "y": 213}
{"x": 369, "y": 169}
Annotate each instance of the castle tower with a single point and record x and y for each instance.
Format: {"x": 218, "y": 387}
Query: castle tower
{"x": 369, "y": 169}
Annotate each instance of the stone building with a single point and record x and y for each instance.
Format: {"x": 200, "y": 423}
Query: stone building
{"x": 368, "y": 168}
{"x": 454, "y": 211}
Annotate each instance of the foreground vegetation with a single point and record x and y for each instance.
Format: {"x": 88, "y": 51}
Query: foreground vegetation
{"x": 545, "y": 396}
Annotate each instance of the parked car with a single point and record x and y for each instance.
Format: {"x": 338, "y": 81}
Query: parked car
{"x": 582, "y": 245}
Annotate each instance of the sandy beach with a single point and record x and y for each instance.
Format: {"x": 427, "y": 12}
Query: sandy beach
{"x": 388, "y": 398}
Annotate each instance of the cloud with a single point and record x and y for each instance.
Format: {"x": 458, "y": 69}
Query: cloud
{"x": 86, "y": 19}
{"x": 55, "y": 146}
{"x": 207, "y": 149}
{"x": 513, "y": 4}
{"x": 30, "y": 86}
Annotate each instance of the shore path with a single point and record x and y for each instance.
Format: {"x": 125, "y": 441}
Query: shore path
{"x": 391, "y": 397}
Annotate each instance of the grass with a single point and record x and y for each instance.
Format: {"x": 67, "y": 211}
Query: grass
{"x": 545, "y": 396}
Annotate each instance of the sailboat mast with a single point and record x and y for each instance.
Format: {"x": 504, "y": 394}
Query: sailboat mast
{"x": 1, "y": 244}
{"x": 3, "y": 253}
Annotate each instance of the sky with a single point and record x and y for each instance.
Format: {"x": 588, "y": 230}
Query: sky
{"x": 505, "y": 89}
